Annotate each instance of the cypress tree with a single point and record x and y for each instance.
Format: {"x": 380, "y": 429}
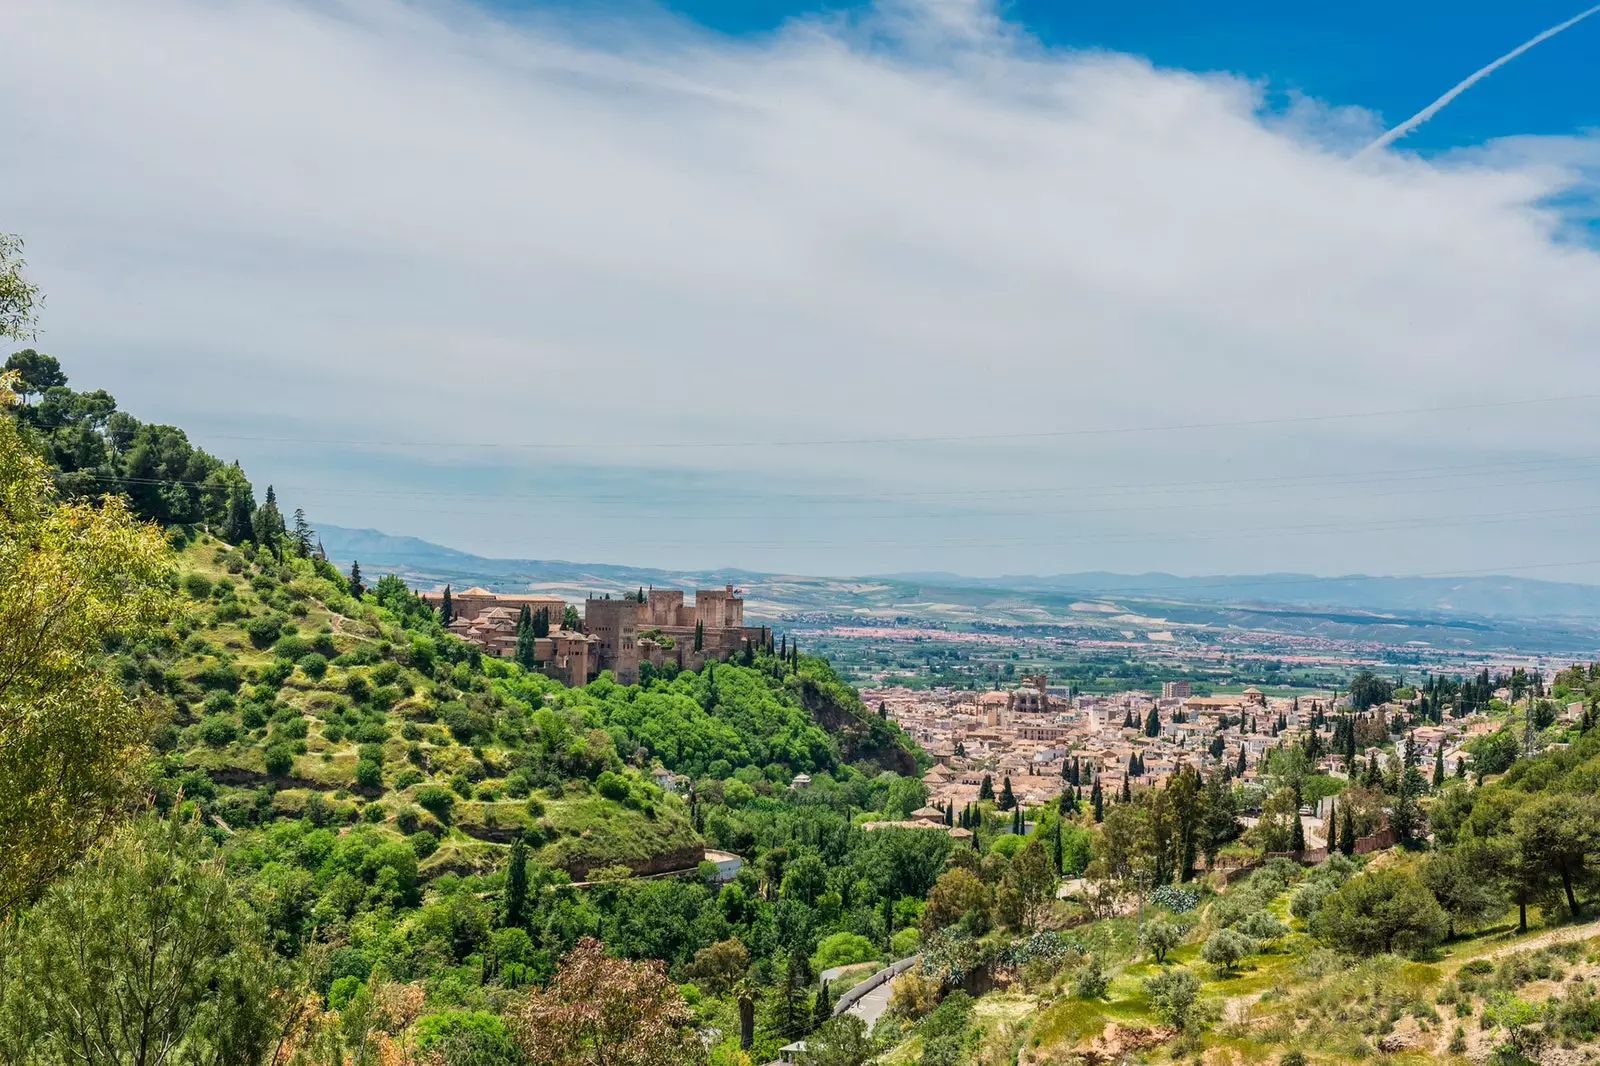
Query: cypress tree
{"x": 699, "y": 635}
{"x": 1333, "y": 829}
{"x": 985, "y": 789}
{"x": 1239, "y": 767}
{"x": 1127, "y": 792}
{"x": 1297, "y": 842}
{"x": 1152, "y": 724}
{"x": 353, "y": 583}
{"x": 446, "y": 609}
{"x": 241, "y": 509}
{"x": 1098, "y": 799}
{"x": 1007, "y": 799}
{"x": 1347, "y": 832}
{"x": 1438, "y": 766}
{"x": 517, "y": 883}
{"x": 1058, "y": 847}
{"x": 823, "y": 1009}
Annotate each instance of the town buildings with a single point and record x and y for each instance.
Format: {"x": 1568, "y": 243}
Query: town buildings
{"x": 615, "y": 634}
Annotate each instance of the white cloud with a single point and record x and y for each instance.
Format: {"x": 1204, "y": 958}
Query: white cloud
{"x": 376, "y": 220}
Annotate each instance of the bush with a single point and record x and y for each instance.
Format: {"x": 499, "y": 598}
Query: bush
{"x": 217, "y": 731}
{"x": 369, "y": 774}
{"x": 408, "y": 777}
{"x": 1175, "y": 899}
{"x": 436, "y": 800}
{"x": 1091, "y": 980}
{"x": 291, "y": 647}
{"x": 264, "y": 630}
{"x": 407, "y": 820}
{"x": 197, "y": 585}
{"x": 313, "y": 665}
{"x": 1161, "y": 936}
{"x": 218, "y": 676}
{"x": 218, "y": 701}
{"x": 1172, "y": 995}
{"x": 279, "y": 760}
{"x": 423, "y": 844}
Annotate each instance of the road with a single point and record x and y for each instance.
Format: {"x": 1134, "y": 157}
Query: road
{"x": 870, "y": 1007}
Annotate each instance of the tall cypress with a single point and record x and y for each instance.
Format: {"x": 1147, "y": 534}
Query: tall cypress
{"x": 517, "y": 883}
{"x": 1098, "y": 799}
{"x": 447, "y": 612}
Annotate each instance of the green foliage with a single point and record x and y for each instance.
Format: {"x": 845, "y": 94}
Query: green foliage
{"x": 1381, "y": 911}
{"x": 1173, "y": 994}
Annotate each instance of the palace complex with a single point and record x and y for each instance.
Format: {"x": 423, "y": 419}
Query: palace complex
{"x": 615, "y": 634}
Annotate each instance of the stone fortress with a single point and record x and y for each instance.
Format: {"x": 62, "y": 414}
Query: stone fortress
{"x": 615, "y": 634}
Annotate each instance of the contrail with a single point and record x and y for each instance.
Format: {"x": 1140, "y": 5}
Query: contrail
{"x": 1478, "y": 75}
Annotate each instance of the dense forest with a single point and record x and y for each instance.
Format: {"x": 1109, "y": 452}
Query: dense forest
{"x": 254, "y": 811}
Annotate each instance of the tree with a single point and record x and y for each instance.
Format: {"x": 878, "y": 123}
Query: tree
{"x": 1381, "y": 911}
{"x": 1172, "y": 995}
{"x": 1097, "y": 798}
{"x": 238, "y": 527}
{"x": 1438, "y": 767}
{"x": 570, "y": 620}
{"x": 1224, "y": 948}
{"x": 1368, "y": 690}
{"x": 605, "y": 1011}
{"x": 1008, "y": 799}
{"x": 1456, "y": 879}
{"x": 1347, "y": 832}
{"x": 304, "y": 536}
{"x": 73, "y": 577}
{"x": 719, "y": 967}
{"x": 447, "y": 610}
{"x": 353, "y": 582}
{"x": 1152, "y": 723}
{"x": 985, "y": 789}
{"x": 699, "y": 635}
{"x": 17, "y": 295}
{"x": 955, "y": 893}
{"x": 1161, "y": 936}
{"x": 841, "y": 1041}
{"x": 1033, "y": 879}
{"x": 266, "y": 524}
{"x": 1559, "y": 832}
{"x": 34, "y": 372}
{"x": 541, "y": 622}
{"x": 144, "y": 957}
{"x": 822, "y": 1007}
{"x": 1297, "y": 837}
{"x": 524, "y": 652}
{"x": 516, "y": 883}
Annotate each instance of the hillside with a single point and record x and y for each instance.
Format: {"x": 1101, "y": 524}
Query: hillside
{"x": 293, "y": 698}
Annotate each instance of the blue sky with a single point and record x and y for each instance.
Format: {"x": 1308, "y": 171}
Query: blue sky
{"x": 927, "y": 284}
{"x": 1392, "y": 58}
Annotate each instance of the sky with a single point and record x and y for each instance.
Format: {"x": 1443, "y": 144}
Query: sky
{"x": 842, "y": 289}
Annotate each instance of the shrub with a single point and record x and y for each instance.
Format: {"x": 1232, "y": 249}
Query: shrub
{"x": 279, "y": 760}
{"x": 291, "y": 647}
{"x": 218, "y": 701}
{"x": 1175, "y": 899}
{"x": 369, "y": 774}
{"x": 436, "y": 800}
{"x": 217, "y": 731}
{"x": 252, "y": 716}
{"x": 1172, "y": 995}
{"x": 197, "y": 585}
{"x": 313, "y": 665}
{"x": 612, "y": 786}
{"x": 1091, "y": 980}
{"x": 372, "y": 812}
{"x": 333, "y": 732}
{"x": 218, "y": 676}
{"x": 408, "y": 777}
{"x": 265, "y": 629}
{"x": 407, "y": 820}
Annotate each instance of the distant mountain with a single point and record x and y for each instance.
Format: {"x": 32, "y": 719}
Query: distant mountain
{"x": 1490, "y": 596}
